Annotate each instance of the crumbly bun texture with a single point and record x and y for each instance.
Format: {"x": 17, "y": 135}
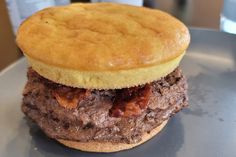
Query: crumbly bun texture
{"x": 107, "y": 147}
{"x": 102, "y": 45}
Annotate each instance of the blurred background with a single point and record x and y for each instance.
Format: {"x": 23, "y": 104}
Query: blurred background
{"x": 206, "y": 14}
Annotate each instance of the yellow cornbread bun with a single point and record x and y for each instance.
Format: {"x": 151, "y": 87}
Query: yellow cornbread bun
{"x": 102, "y": 45}
{"x": 107, "y": 147}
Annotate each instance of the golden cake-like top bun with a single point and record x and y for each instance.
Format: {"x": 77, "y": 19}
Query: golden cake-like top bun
{"x": 102, "y": 45}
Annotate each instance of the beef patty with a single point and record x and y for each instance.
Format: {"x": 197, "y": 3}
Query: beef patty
{"x": 120, "y": 115}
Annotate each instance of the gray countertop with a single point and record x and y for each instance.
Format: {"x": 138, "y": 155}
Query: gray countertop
{"x": 206, "y": 128}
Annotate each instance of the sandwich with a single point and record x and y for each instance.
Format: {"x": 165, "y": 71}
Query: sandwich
{"x": 103, "y": 77}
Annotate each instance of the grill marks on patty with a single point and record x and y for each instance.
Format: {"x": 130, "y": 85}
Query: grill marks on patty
{"x": 121, "y": 115}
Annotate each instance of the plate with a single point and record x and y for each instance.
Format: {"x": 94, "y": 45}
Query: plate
{"x": 206, "y": 128}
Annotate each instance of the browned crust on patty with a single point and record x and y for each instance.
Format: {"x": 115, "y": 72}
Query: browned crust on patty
{"x": 108, "y": 147}
{"x": 92, "y": 118}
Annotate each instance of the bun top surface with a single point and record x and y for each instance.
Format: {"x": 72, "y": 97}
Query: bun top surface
{"x": 102, "y": 37}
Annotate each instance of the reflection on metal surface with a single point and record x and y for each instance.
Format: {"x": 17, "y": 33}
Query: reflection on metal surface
{"x": 211, "y": 58}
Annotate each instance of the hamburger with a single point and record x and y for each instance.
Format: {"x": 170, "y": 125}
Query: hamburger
{"x": 103, "y": 77}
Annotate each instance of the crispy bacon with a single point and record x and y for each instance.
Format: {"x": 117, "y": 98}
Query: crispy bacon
{"x": 66, "y": 103}
{"x": 132, "y": 103}
{"x": 69, "y": 97}
{"x": 128, "y": 103}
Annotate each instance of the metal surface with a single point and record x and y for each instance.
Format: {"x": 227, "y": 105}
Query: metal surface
{"x": 206, "y": 128}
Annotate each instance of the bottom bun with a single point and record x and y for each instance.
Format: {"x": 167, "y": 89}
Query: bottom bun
{"x": 107, "y": 147}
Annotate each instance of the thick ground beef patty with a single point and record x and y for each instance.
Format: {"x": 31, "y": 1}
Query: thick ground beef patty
{"x": 121, "y": 115}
